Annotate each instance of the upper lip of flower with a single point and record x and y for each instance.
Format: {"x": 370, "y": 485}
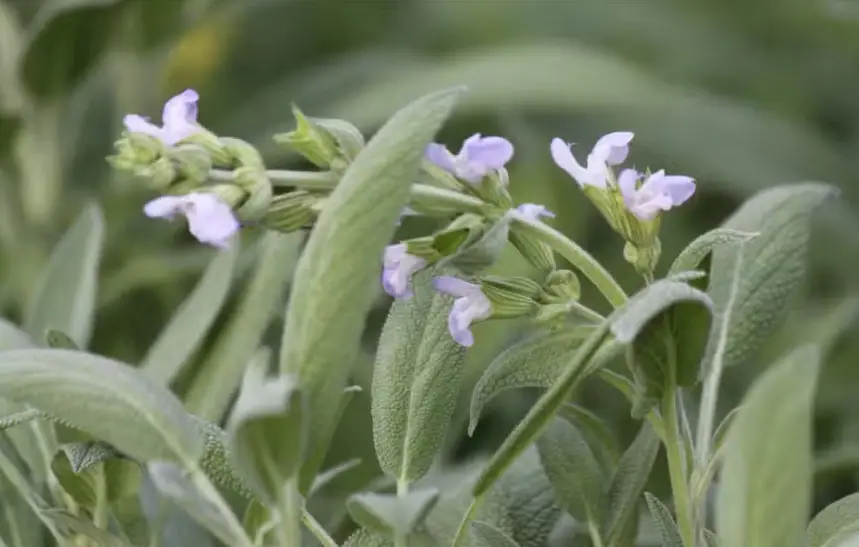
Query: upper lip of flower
{"x": 210, "y": 220}
{"x": 179, "y": 119}
{"x": 659, "y": 192}
{"x": 478, "y": 156}
{"x": 610, "y": 149}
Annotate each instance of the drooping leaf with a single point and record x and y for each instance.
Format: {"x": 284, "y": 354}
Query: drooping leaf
{"x": 391, "y": 514}
{"x": 268, "y": 428}
{"x": 664, "y": 521}
{"x": 220, "y": 374}
{"x": 691, "y": 257}
{"x": 573, "y": 471}
{"x": 182, "y": 335}
{"x": 416, "y": 381}
{"x": 66, "y": 295}
{"x": 837, "y": 525}
{"x": 487, "y": 535}
{"x": 627, "y": 485}
{"x": 105, "y": 398}
{"x": 765, "y": 489}
{"x": 782, "y": 217}
{"x": 330, "y": 297}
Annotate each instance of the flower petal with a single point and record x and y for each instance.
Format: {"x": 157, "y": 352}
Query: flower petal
{"x": 138, "y": 124}
{"x": 534, "y": 211}
{"x": 164, "y": 207}
{"x": 563, "y": 157}
{"x": 454, "y": 286}
{"x": 458, "y": 323}
{"x": 679, "y": 187}
{"x": 439, "y": 155}
{"x": 180, "y": 116}
{"x": 210, "y": 220}
{"x": 490, "y": 152}
{"x": 613, "y": 148}
{"x": 626, "y": 182}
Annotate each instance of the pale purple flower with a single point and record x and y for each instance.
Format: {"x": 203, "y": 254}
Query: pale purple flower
{"x": 659, "y": 192}
{"x": 210, "y": 220}
{"x": 179, "y": 119}
{"x": 611, "y": 149}
{"x": 470, "y": 306}
{"x": 399, "y": 267}
{"x": 533, "y": 212}
{"x": 477, "y": 158}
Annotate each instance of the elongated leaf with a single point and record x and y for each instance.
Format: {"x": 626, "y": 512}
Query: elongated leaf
{"x": 220, "y": 375}
{"x": 11, "y": 47}
{"x": 394, "y": 515}
{"x": 664, "y": 521}
{"x": 82, "y": 456}
{"x": 765, "y": 490}
{"x": 104, "y": 398}
{"x": 781, "y": 215}
{"x": 268, "y": 428}
{"x": 11, "y": 337}
{"x": 66, "y": 295}
{"x": 73, "y": 525}
{"x": 628, "y": 484}
{"x": 182, "y": 335}
{"x": 57, "y": 339}
{"x": 692, "y": 256}
{"x": 596, "y": 431}
{"x": 324, "y": 479}
{"x": 837, "y": 525}
{"x": 368, "y": 538}
{"x": 416, "y": 381}
{"x": 331, "y": 294}
{"x": 487, "y": 535}
{"x": 573, "y": 471}
{"x": 534, "y": 362}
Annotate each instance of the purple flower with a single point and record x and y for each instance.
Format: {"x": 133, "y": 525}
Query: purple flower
{"x": 477, "y": 158}
{"x": 611, "y": 149}
{"x": 210, "y": 220}
{"x": 179, "y": 119}
{"x": 533, "y": 212}
{"x": 659, "y": 192}
{"x": 470, "y": 306}
{"x": 399, "y": 267}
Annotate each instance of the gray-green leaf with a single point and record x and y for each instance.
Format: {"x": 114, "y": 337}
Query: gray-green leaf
{"x": 86, "y": 454}
{"x": 66, "y": 295}
{"x": 837, "y": 525}
{"x": 105, "y": 398}
{"x": 573, "y": 471}
{"x": 487, "y": 535}
{"x": 331, "y": 295}
{"x": 775, "y": 268}
{"x": 764, "y": 495}
{"x": 73, "y": 525}
{"x": 394, "y": 515}
{"x": 182, "y": 335}
{"x": 416, "y": 381}
{"x": 267, "y": 428}
{"x": 691, "y": 257}
{"x": 664, "y": 521}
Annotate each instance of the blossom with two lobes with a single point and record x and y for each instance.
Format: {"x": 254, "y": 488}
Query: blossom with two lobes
{"x": 210, "y": 219}
{"x": 471, "y": 305}
{"x": 478, "y": 157}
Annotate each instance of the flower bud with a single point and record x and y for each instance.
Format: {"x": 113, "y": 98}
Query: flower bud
{"x": 230, "y": 194}
{"x": 242, "y": 153}
{"x": 213, "y": 146}
{"x": 510, "y": 296}
{"x": 539, "y": 254}
{"x": 643, "y": 259}
{"x": 310, "y": 140}
{"x": 161, "y": 175}
{"x": 561, "y": 286}
{"x": 192, "y": 161}
{"x": 254, "y": 181}
{"x": 349, "y": 139}
{"x": 493, "y": 189}
{"x": 292, "y": 211}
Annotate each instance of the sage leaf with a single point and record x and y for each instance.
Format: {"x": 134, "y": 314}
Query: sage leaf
{"x": 628, "y": 482}
{"x": 84, "y": 455}
{"x": 105, "y": 398}
{"x": 664, "y": 522}
{"x": 326, "y": 477}
{"x": 187, "y": 328}
{"x": 573, "y": 471}
{"x": 57, "y": 339}
{"x": 268, "y": 430}
{"x": 691, "y": 257}
{"x": 764, "y": 494}
{"x": 416, "y": 380}
{"x": 74, "y": 525}
{"x": 394, "y": 515}
{"x": 837, "y": 525}
{"x": 474, "y": 257}
{"x": 11, "y": 337}
{"x": 775, "y": 268}
{"x": 368, "y": 538}
{"x": 65, "y": 297}
{"x": 331, "y": 294}
{"x": 595, "y": 431}
{"x": 487, "y": 535}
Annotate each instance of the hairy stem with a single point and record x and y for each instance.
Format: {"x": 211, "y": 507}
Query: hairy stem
{"x": 675, "y": 451}
{"x": 317, "y": 530}
{"x": 400, "y": 540}
{"x": 290, "y": 509}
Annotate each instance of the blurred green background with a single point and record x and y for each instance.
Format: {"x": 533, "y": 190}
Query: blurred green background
{"x": 740, "y": 95}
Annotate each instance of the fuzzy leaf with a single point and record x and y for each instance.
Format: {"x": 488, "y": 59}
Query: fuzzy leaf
{"x": 84, "y": 455}
{"x": 487, "y": 535}
{"x": 73, "y": 525}
{"x": 368, "y": 538}
{"x": 837, "y": 525}
{"x": 573, "y": 471}
{"x": 57, "y": 339}
{"x": 765, "y": 490}
{"x": 105, "y": 398}
{"x": 775, "y": 268}
{"x": 394, "y": 515}
{"x": 416, "y": 381}
{"x": 474, "y": 257}
{"x": 664, "y": 521}
{"x": 66, "y": 294}
{"x": 331, "y": 295}
{"x": 691, "y": 257}
{"x": 185, "y": 331}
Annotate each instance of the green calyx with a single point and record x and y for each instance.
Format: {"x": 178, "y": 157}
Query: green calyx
{"x": 511, "y": 296}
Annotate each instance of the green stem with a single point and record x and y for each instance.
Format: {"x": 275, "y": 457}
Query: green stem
{"x": 402, "y": 492}
{"x": 100, "y": 514}
{"x": 290, "y": 509}
{"x": 675, "y": 452}
{"x": 317, "y": 530}
{"x": 469, "y": 515}
{"x": 577, "y": 256}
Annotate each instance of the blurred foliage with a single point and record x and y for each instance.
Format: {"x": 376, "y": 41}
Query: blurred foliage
{"x": 739, "y": 95}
